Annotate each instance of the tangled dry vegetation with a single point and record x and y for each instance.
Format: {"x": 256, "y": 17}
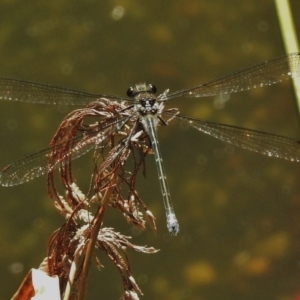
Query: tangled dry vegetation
{"x": 112, "y": 185}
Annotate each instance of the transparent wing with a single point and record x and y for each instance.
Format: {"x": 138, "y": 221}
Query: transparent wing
{"x": 19, "y": 90}
{"x": 37, "y": 164}
{"x": 256, "y": 141}
{"x": 267, "y": 73}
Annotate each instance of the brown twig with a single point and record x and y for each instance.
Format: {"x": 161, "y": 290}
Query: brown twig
{"x": 94, "y": 237}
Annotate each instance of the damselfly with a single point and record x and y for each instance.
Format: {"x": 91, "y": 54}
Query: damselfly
{"x": 147, "y": 111}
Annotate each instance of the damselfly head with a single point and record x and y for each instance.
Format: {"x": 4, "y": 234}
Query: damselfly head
{"x": 141, "y": 88}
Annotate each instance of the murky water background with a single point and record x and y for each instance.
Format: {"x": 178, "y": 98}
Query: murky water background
{"x": 239, "y": 212}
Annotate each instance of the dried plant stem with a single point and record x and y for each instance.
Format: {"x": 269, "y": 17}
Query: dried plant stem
{"x": 93, "y": 237}
{"x": 72, "y": 273}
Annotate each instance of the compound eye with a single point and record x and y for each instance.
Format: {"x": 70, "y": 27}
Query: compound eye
{"x": 153, "y": 88}
{"x": 130, "y": 92}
